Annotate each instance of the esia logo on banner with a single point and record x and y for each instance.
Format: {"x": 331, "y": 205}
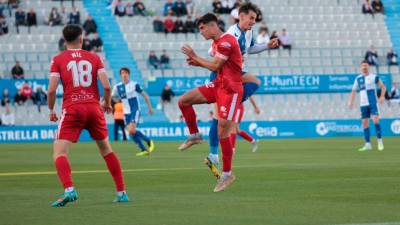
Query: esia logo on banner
{"x": 395, "y": 126}
{"x": 263, "y": 131}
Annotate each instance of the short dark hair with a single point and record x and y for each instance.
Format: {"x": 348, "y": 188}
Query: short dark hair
{"x": 207, "y": 18}
{"x": 71, "y": 32}
{"x": 247, "y": 7}
{"x": 364, "y": 61}
{"x": 126, "y": 69}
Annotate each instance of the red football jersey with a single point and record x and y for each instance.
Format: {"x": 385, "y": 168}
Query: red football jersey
{"x": 78, "y": 70}
{"x": 227, "y": 48}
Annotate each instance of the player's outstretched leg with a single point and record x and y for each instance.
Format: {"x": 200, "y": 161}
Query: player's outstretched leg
{"x": 212, "y": 160}
{"x": 250, "y": 85}
{"x": 367, "y": 145}
{"x": 378, "y": 133}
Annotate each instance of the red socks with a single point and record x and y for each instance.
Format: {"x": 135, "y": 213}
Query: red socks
{"x": 190, "y": 117}
{"x": 246, "y": 136}
{"x": 114, "y": 167}
{"x": 64, "y": 171}
{"x": 227, "y": 152}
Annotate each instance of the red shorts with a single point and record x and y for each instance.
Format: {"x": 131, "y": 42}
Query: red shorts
{"x": 239, "y": 114}
{"x": 77, "y": 117}
{"x": 227, "y": 102}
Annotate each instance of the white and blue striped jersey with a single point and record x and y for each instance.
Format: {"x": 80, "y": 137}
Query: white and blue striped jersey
{"x": 367, "y": 86}
{"x": 129, "y": 95}
{"x": 244, "y": 38}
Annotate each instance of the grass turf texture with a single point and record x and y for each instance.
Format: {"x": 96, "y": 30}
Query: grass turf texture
{"x": 312, "y": 181}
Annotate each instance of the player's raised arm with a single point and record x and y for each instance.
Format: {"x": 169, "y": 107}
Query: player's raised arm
{"x": 193, "y": 59}
{"x": 103, "y": 77}
{"x": 257, "y": 48}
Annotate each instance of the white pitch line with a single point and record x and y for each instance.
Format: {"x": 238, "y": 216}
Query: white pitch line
{"x": 383, "y": 223}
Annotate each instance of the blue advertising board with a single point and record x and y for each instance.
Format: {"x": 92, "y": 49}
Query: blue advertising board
{"x": 271, "y": 84}
{"x": 178, "y": 131}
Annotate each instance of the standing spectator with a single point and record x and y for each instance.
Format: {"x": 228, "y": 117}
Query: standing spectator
{"x": 262, "y": 37}
{"x": 19, "y": 99}
{"x": 167, "y": 7}
{"x": 285, "y": 41}
{"x": 20, "y": 18}
{"x": 8, "y": 118}
{"x": 392, "y": 59}
{"x": 190, "y": 7}
{"x": 119, "y": 120}
{"x": 158, "y": 25}
{"x": 54, "y": 17}
{"x": 221, "y": 23}
{"x": 164, "y": 60}
{"x": 97, "y": 43}
{"x": 139, "y": 8}
{"x": 367, "y": 8}
{"x": 17, "y": 71}
{"x": 5, "y": 99}
{"x": 40, "y": 97}
{"x": 168, "y": 24}
{"x": 119, "y": 8}
{"x": 378, "y": 6}
{"x": 64, "y": 15}
{"x": 31, "y": 19}
{"x": 217, "y": 7}
{"x": 74, "y": 17}
{"x": 89, "y": 25}
{"x": 371, "y": 56}
{"x": 190, "y": 27}
{"x": 179, "y": 26}
{"x": 166, "y": 95}
{"x": 129, "y": 9}
{"x": 153, "y": 60}
{"x": 3, "y": 25}
{"x": 27, "y": 91}
{"x": 179, "y": 8}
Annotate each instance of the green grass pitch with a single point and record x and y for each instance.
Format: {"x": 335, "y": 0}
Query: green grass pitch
{"x": 286, "y": 182}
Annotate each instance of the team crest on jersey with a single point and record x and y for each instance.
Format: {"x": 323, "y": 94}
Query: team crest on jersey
{"x": 226, "y": 44}
{"x": 223, "y": 109}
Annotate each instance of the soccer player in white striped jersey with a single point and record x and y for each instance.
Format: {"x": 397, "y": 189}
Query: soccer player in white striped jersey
{"x": 128, "y": 91}
{"x": 367, "y": 84}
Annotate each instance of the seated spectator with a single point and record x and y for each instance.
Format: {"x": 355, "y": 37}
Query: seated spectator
{"x": 19, "y": 99}
{"x": 64, "y": 15}
{"x": 54, "y": 17}
{"x": 179, "y": 8}
{"x": 169, "y": 24}
{"x": 90, "y": 25}
{"x": 394, "y": 93}
{"x": 367, "y": 8}
{"x": 284, "y": 40}
{"x": 228, "y": 6}
{"x": 27, "y": 91}
{"x": 153, "y": 61}
{"x": 158, "y": 25}
{"x": 221, "y": 23}
{"x": 40, "y": 97}
{"x": 17, "y": 71}
{"x": 87, "y": 45}
{"x": 119, "y": 8}
{"x": 190, "y": 7}
{"x": 8, "y": 118}
{"x": 273, "y": 36}
{"x": 129, "y": 9}
{"x": 217, "y": 7}
{"x": 179, "y": 26}
{"x": 96, "y": 43}
{"x": 190, "y": 27}
{"x": 392, "y": 59}
{"x": 377, "y": 6}
{"x": 3, "y": 25}
{"x": 167, "y": 7}
{"x": 20, "y": 18}
{"x": 371, "y": 56}
{"x": 74, "y": 17}
{"x": 262, "y": 27}
{"x": 235, "y": 14}
{"x": 31, "y": 19}
{"x": 5, "y": 99}
{"x": 262, "y": 37}
{"x": 139, "y": 8}
{"x": 164, "y": 60}
{"x": 166, "y": 95}
{"x": 61, "y": 44}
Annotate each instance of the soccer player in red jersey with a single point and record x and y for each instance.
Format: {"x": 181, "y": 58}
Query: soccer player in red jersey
{"x": 226, "y": 91}
{"x": 79, "y": 72}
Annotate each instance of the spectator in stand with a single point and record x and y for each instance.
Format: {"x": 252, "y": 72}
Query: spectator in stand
{"x": 371, "y": 56}
{"x": 221, "y": 23}
{"x": 235, "y": 14}
{"x": 40, "y": 97}
{"x": 189, "y": 25}
{"x": 168, "y": 7}
{"x": 74, "y": 17}
{"x": 179, "y": 8}
{"x": 61, "y": 44}
{"x": 5, "y": 99}
{"x": 228, "y": 5}
{"x": 119, "y": 8}
{"x": 217, "y": 7}
{"x": 3, "y": 25}
{"x": 153, "y": 61}
{"x": 169, "y": 24}
{"x": 87, "y": 45}
{"x": 139, "y": 8}
{"x": 31, "y": 19}
{"x": 260, "y": 16}
{"x": 64, "y": 15}
{"x": 17, "y": 71}
{"x": 20, "y": 18}
{"x": 179, "y": 26}
{"x": 262, "y": 37}
{"x": 166, "y": 95}
{"x": 158, "y": 25}
{"x": 378, "y": 6}
{"x": 273, "y": 36}
{"x": 8, "y": 118}
{"x": 119, "y": 120}
{"x": 27, "y": 91}
{"x": 285, "y": 41}
{"x": 96, "y": 43}
{"x": 190, "y": 7}
{"x": 90, "y": 25}
{"x": 394, "y": 93}
{"x": 54, "y": 17}
{"x": 164, "y": 60}
{"x": 129, "y": 9}
{"x": 392, "y": 58}
{"x": 263, "y": 26}
{"x": 367, "y": 8}
{"x": 19, "y": 99}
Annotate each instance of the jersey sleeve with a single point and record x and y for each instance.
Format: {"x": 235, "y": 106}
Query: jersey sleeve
{"x": 252, "y": 41}
{"x": 54, "y": 68}
{"x": 355, "y": 85}
{"x": 138, "y": 88}
{"x": 224, "y": 49}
